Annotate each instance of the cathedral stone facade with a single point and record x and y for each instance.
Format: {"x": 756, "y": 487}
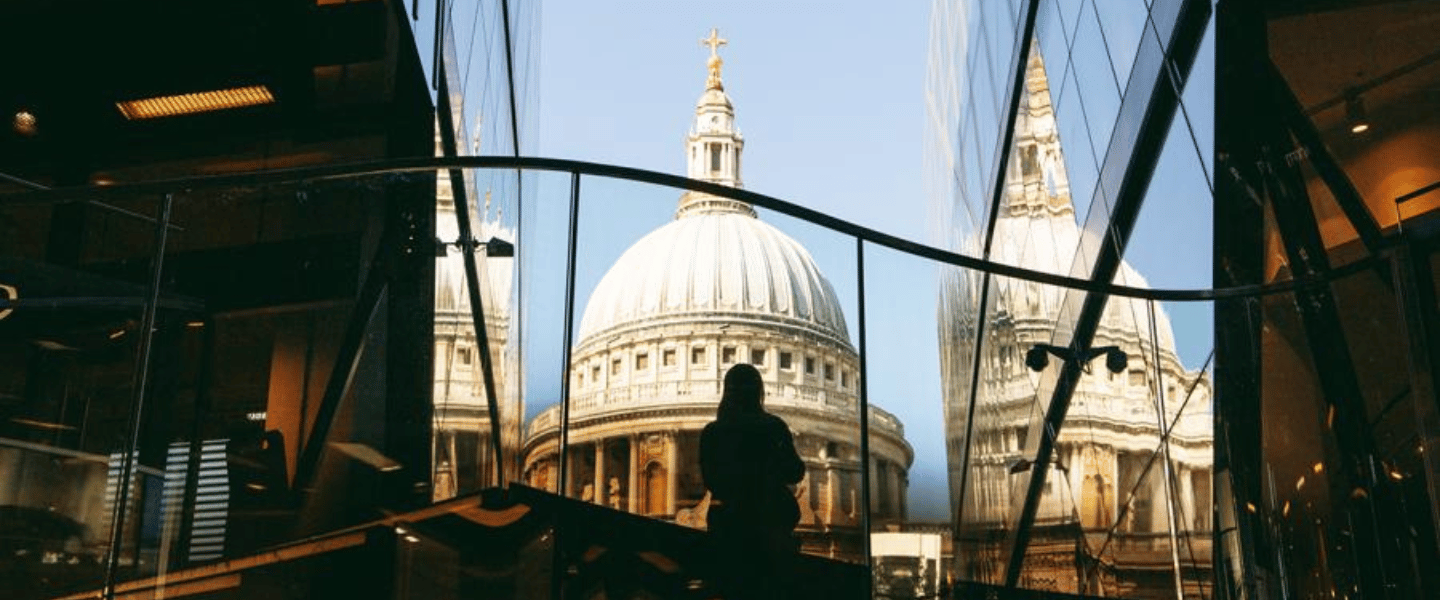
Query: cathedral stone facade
{"x": 716, "y": 287}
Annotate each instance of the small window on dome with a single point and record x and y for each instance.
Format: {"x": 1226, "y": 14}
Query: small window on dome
{"x": 580, "y": 377}
{"x": 727, "y": 355}
{"x": 642, "y": 361}
{"x": 844, "y": 378}
{"x": 757, "y": 357}
{"x": 829, "y": 371}
{"x": 809, "y": 365}
{"x": 714, "y": 157}
{"x": 667, "y": 357}
{"x": 785, "y": 361}
{"x": 697, "y": 356}
{"x": 462, "y": 355}
{"x": 615, "y": 367}
{"x": 595, "y": 374}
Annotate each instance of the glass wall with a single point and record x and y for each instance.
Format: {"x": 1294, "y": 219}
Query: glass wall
{"x": 1078, "y": 422}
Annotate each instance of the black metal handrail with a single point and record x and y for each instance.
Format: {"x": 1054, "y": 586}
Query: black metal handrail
{"x": 420, "y": 164}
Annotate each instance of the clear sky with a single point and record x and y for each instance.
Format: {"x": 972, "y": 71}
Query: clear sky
{"x": 829, "y": 96}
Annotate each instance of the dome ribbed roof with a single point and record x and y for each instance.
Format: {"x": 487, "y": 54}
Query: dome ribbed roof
{"x": 710, "y": 266}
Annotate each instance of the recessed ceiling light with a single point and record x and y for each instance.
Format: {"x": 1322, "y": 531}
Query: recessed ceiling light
{"x": 198, "y": 102}
{"x": 1355, "y": 115}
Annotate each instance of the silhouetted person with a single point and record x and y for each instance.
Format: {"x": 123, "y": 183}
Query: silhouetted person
{"x": 748, "y": 460}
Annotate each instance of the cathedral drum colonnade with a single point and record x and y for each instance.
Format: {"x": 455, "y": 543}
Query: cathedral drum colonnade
{"x": 712, "y": 288}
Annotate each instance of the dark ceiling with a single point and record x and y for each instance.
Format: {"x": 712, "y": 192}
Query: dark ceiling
{"x": 335, "y": 71}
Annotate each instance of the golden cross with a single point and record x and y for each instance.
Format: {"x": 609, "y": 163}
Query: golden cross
{"x": 714, "y": 42}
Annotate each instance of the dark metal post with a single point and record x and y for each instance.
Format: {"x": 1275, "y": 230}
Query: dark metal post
{"x": 1168, "y": 467}
{"x": 137, "y": 402}
{"x": 565, "y": 349}
{"x": 558, "y": 571}
{"x": 864, "y": 418}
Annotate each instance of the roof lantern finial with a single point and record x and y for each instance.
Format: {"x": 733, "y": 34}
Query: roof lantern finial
{"x": 714, "y": 42}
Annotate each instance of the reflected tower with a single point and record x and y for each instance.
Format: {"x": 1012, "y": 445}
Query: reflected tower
{"x": 1102, "y": 526}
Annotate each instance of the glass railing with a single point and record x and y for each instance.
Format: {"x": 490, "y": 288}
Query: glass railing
{"x": 311, "y": 364}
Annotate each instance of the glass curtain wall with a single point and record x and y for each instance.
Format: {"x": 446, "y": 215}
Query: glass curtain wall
{"x": 484, "y": 76}
{"x": 1078, "y": 425}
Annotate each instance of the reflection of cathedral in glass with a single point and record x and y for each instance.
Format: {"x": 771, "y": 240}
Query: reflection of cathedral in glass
{"x": 715, "y": 287}
{"x": 1104, "y": 520}
{"x": 462, "y": 454}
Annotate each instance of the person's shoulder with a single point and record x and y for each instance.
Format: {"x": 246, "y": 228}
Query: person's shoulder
{"x": 775, "y": 422}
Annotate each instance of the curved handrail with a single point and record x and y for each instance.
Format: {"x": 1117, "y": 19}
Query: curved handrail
{"x": 419, "y": 164}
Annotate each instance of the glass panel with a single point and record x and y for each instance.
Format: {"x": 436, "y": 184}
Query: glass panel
{"x": 1172, "y": 240}
{"x": 1121, "y": 23}
{"x": 1334, "y": 516}
{"x": 463, "y": 453}
{"x": 1099, "y": 95}
{"x": 1198, "y": 101}
{"x": 911, "y": 517}
{"x": 822, "y": 406}
{"x": 1296, "y": 494}
{"x": 1078, "y": 158}
{"x": 1054, "y": 46}
{"x": 81, "y": 273}
{"x": 544, "y": 251}
{"x": 667, "y": 303}
{"x": 1036, "y": 228}
{"x": 1183, "y": 377}
{"x": 1070, "y": 17}
{"x": 609, "y": 467}
{"x": 985, "y": 413}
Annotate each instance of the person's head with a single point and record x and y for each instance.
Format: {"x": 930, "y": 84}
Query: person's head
{"x": 744, "y": 392}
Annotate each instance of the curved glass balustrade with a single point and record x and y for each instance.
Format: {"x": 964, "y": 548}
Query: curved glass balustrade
{"x": 314, "y": 366}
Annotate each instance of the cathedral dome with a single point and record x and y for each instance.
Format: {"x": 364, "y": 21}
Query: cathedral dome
{"x": 713, "y": 263}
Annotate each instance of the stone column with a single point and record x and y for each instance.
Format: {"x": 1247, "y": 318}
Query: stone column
{"x": 573, "y": 480}
{"x": 632, "y": 498}
{"x": 831, "y": 502}
{"x": 600, "y": 488}
{"x": 1185, "y": 520}
{"x": 672, "y": 448}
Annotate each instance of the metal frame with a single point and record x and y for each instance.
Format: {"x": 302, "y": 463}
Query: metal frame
{"x": 864, "y": 415}
{"x": 137, "y": 401}
{"x": 424, "y": 164}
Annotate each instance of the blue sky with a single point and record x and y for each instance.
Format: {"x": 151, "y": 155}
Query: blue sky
{"x": 829, "y": 97}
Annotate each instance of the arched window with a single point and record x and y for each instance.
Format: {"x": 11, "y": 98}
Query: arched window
{"x": 654, "y": 494}
{"x": 1096, "y": 505}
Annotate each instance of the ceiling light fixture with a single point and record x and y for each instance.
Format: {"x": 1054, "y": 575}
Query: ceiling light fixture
{"x": 198, "y": 102}
{"x": 1355, "y": 116}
